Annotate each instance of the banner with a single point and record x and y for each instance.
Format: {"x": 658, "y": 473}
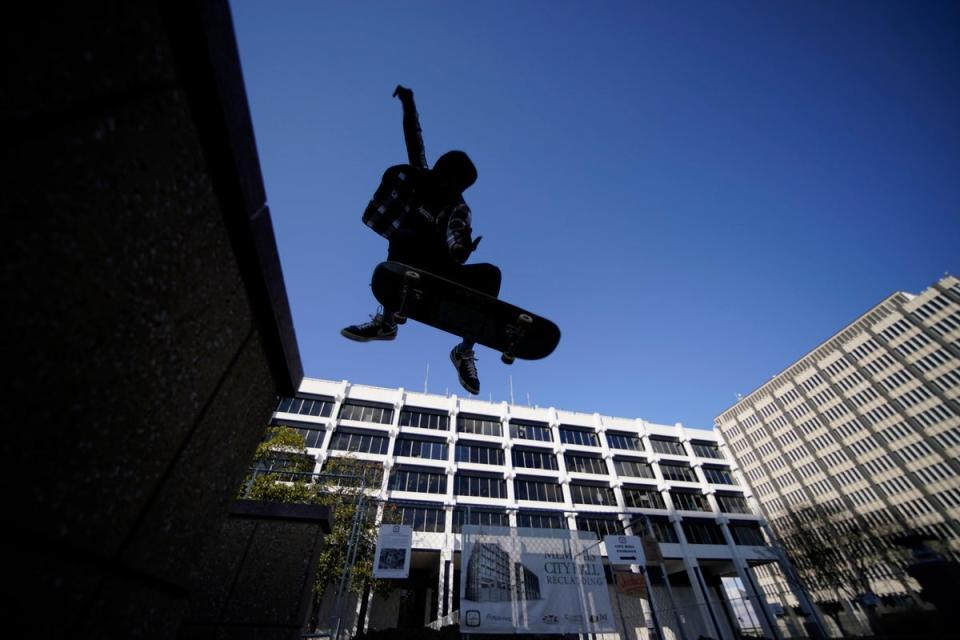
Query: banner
{"x": 532, "y": 581}
{"x": 392, "y": 556}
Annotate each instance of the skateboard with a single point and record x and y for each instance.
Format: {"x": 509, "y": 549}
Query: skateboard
{"x": 454, "y": 308}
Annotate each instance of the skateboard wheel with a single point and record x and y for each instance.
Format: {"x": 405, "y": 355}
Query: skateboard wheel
{"x": 411, "y": 275}
{"x": 399, "y": 318}
{"x": 505, "y": 359}
{"x": 525, "y": 320}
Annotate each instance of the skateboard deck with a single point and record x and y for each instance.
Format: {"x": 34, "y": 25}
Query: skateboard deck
{"x": 454, "y": 308}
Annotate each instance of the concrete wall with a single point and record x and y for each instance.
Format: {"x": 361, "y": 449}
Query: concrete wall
{"x": 258, "y": 582}
{"x": 146, "y": 329}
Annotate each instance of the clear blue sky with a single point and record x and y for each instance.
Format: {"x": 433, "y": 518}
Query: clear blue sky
{"x": 698, "y": 193}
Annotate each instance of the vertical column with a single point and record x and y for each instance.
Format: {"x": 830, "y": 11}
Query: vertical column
{"x": 452, "y": 436}
{"x": 766, "y": 618}
{"x": 444, "y": 581}
{"x": 509, "y": 476}
{"x": 394, "y": 430}
{"x": 331, "y": 427}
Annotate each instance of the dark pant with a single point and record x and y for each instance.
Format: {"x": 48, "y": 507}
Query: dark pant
{"x": 415, "y": 250}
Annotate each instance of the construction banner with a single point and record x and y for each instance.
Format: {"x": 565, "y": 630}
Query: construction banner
{"x": 532, "y": 581}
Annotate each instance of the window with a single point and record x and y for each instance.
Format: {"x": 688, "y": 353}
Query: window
{"x": 633, "y": 467}
{"x": 643, "y": 498}
{"x": 670, "y": 447}
{"x": 702, "y": 532}
{"x": 585, "y": 464}
{"x": 747, "y": 534}
{"x": 321, "y": 407}
{"x": 582, "y": 437}
{"x": 624, "y": 441}
{"x": 541, "y": 520}
{"x": 359, "y": 442}
{"x": 689, "y": 501}
{"x": 534, "y": 459}
{"x": 678, "y": 472}
{"x": 543, "y": 490}
{"x": 424, "y": 418}
{"x": 287, "y": 466}
{"x": 419, "y": 518}
{"x": 479, "y": 517}
{"x": 417, "y": 448}
{"x": 707, "y": 450}
{"x": 718, "y": 475}
{"x": 480, "y": 425}
{"x": 479, "y": 454}
{"x": 312, "y": 435}
{"x": 480, "y": 486}
{"x": 366, "y": 413}
{"x": 661, "y": 528}
{"x": 602, "y": 525}
{"x": 530, "y": 431}
{"x": 419, "y": 480}
{"x": 592, "y": 494}
{"x": 733, "y": 503}
{"x": 362, "y": 470}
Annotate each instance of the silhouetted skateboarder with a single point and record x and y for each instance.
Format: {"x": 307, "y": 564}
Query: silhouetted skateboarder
{"x": 422, "y": 213}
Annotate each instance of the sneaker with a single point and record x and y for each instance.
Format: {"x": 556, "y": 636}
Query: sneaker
{"x": 466, "y": 363}
{"x": 377, "y": 329}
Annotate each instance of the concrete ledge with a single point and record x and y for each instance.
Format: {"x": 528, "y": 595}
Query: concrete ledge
{"x": 283, "y": 511}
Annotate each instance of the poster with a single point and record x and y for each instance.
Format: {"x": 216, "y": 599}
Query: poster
{"x": 631, "y": 583}
{"x": 532, "y": 581}
{"x": 392, "y": 556}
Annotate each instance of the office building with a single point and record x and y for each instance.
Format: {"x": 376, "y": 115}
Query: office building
{"x": 863, "y": 431}
{"x": 446, "y": 461}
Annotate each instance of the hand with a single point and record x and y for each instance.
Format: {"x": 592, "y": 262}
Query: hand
{"x": 461, "y": 250}
{"x": 403, "y": 93}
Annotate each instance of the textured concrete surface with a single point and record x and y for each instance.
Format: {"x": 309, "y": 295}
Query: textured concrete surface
{"x": 258, "y": 581}
{"x": 146, "y": 326}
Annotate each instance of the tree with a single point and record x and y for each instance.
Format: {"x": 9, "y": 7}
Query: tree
{"x": 838, "y": 558}
{"x": 283, "y": 471}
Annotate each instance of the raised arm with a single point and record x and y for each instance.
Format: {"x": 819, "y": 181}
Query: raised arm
{"x": 412, "y": 134}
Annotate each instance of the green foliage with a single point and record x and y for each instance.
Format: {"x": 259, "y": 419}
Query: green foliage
{"x": 341, "y": 495}
{"x": 283, "y": 472}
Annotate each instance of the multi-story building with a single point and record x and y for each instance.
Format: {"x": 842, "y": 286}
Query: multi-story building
{"x": 864, "y": 430}
{"x": 445, "y": 461}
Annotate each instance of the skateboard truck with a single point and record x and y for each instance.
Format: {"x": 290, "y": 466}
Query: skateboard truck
{"x": 515, "y": 333}
{"x": 408, "y": 295}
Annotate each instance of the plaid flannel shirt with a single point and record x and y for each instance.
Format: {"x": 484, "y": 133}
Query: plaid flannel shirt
{"x": 392, "y": 201}
{"x": 395, "y": 201}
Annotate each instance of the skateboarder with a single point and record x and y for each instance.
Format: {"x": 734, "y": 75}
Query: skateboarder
{"x": 422, "y": 213}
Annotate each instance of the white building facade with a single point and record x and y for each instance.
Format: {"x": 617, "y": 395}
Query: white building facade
{"x": 447, "y": 461}
{"x": 866, "y": 428}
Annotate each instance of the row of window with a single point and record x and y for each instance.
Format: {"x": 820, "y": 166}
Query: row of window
{"x": 486, "y": 425}
{"x": 424, "y": 481}
{"x": 696, "y": 531}
{"x": 367, "y": 442}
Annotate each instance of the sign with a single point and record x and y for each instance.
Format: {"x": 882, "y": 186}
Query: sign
{"x": 631, "y": 583}
{"x": 532, "y": 581}
{"x": 392, "y": 556}
{"x": 623, "y": 549}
